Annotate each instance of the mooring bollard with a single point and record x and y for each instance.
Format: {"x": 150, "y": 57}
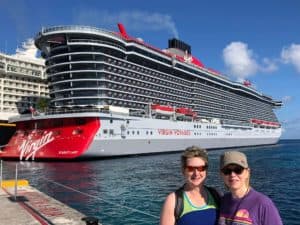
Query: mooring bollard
{"x": 89, "y": 220}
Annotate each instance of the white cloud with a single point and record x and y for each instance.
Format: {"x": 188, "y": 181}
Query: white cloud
{"x": 28, "y": 50}
{"x": 291, "y": 55}
{"x": 136, "y": 20}
{"x": 268, "y": 65}
{"x": 242, "y": 63}
{"x": 239, "y": 60}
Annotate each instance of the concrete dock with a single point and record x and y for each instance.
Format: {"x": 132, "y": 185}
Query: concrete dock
{"x": 32, "y": 207}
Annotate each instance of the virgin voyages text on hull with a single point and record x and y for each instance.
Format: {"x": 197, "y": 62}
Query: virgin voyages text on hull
{"x": 112, "y": 94}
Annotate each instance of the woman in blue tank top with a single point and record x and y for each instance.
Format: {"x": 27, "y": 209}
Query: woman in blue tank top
{"x": 199, "y": 206}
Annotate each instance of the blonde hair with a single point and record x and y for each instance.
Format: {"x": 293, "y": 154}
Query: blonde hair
{"x": 192, "y": 152}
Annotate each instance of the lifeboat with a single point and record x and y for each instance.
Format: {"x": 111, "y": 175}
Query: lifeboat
{"x": 265, "y": 123}
{"x": 185, "y": 112}
{"x": 162, "y": 109}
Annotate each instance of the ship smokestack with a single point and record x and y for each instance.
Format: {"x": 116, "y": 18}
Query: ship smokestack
{"x": 175, "y": 43}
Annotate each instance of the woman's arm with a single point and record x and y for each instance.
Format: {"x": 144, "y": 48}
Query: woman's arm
{"x": 167, "y": 213}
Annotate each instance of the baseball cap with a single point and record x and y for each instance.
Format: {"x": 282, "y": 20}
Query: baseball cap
{"x": 233, "y": 157}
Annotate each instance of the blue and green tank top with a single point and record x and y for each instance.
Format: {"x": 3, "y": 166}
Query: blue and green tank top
{"x": 193, "y": 215}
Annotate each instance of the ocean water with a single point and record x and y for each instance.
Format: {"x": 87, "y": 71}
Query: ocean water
{"x": 131, "y": 190}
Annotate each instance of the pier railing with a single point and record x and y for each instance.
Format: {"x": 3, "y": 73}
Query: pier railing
{"x": 29, "y": 198}
{"x": 26, "y": 169}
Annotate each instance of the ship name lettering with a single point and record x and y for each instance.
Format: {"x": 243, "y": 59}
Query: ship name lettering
{"x": 182, "y": 132}
{"x": 30, "y": 147}
{"x": 174, "y": 132}
{"x": 165, "y": 132}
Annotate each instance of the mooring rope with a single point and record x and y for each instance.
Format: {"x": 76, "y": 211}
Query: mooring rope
{"x": 98, "y": 198}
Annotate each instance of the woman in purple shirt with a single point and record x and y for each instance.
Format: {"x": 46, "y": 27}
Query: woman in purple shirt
{"x": 243, "y": 205}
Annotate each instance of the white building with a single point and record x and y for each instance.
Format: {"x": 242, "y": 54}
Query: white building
{"x": 22, "y": 81}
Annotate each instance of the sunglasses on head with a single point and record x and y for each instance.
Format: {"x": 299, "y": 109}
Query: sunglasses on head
{"x": 198, "y": 168}
{"x": 237, "y": 170}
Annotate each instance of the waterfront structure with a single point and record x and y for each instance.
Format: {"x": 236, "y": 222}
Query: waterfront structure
{"x": 112, "y": 94}
{"x": 22, "y": 84}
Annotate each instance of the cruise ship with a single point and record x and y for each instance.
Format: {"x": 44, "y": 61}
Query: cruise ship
{"x": 22, "y": 84}
{"x": 115, "y": 95}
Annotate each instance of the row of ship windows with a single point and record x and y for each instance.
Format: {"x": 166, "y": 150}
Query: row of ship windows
{"x": 237, "y": 109}
{"x": 133, "y": 87}
{"x": 209, "y": 112}
{"x": 227, "y": 110}
{"x": 115, "y": 77}
{"x": 121, "y": 95}
{"x": 151, "y": 97}
{"x": 85, "y": 102}
{"x": 148, "y": 90}
{"x": 195, "y": 125}
{"x": 230, "y": 95}
{"x": 123, "y": 63}
{"x": 142, "y": 81}
{"x": 137, "y": 132}
{"x": 148, "y": 75}
{"x": 233, "y": 98}
{"x": 130, "y": 78}
{"x": 111, "y": 132}
{"x": 235, "y": 115}
{"x": 151, "y": 93}
{"x": 146, "y": 99}
{"x": 140, "y": 98}
{"x": 121, "y": 98}
{"x": 116, "y": 66}
{"x": 207, "y": 126}
{"x": 215, "y": 96}
{"x": 107, "y": 49}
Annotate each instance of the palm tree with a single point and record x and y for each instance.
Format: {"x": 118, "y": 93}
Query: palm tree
{"x": 42, "y": 104}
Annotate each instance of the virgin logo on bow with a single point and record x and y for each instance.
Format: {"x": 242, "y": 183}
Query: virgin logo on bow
{"x": 30, "y": 147}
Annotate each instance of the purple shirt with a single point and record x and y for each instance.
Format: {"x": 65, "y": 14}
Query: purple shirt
{"x": 253, "y": 209}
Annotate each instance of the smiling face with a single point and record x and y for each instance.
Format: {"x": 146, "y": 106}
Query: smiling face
{"x": 195, "y": 171}
{"x": 235, "y": 177}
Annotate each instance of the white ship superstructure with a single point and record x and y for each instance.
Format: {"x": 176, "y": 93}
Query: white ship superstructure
{"x": 112, "y": 94}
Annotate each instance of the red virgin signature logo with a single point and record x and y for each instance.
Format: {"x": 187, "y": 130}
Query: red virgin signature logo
{"x": 30, "y": 147}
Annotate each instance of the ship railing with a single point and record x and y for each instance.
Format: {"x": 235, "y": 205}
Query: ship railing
{"x": 74, "y": 27}
{"x": 63, "y": 110}
{"x": 74, "y": 110}
{"x": 98, "y": 42}
{"x": 236, "y": 123}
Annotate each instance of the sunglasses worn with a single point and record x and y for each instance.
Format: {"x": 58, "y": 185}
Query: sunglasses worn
{"x": 198, "y": 168}
{"x": 237, "y": 170}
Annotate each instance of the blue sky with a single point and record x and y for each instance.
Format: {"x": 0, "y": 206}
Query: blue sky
{"x": 255, "y": 40}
